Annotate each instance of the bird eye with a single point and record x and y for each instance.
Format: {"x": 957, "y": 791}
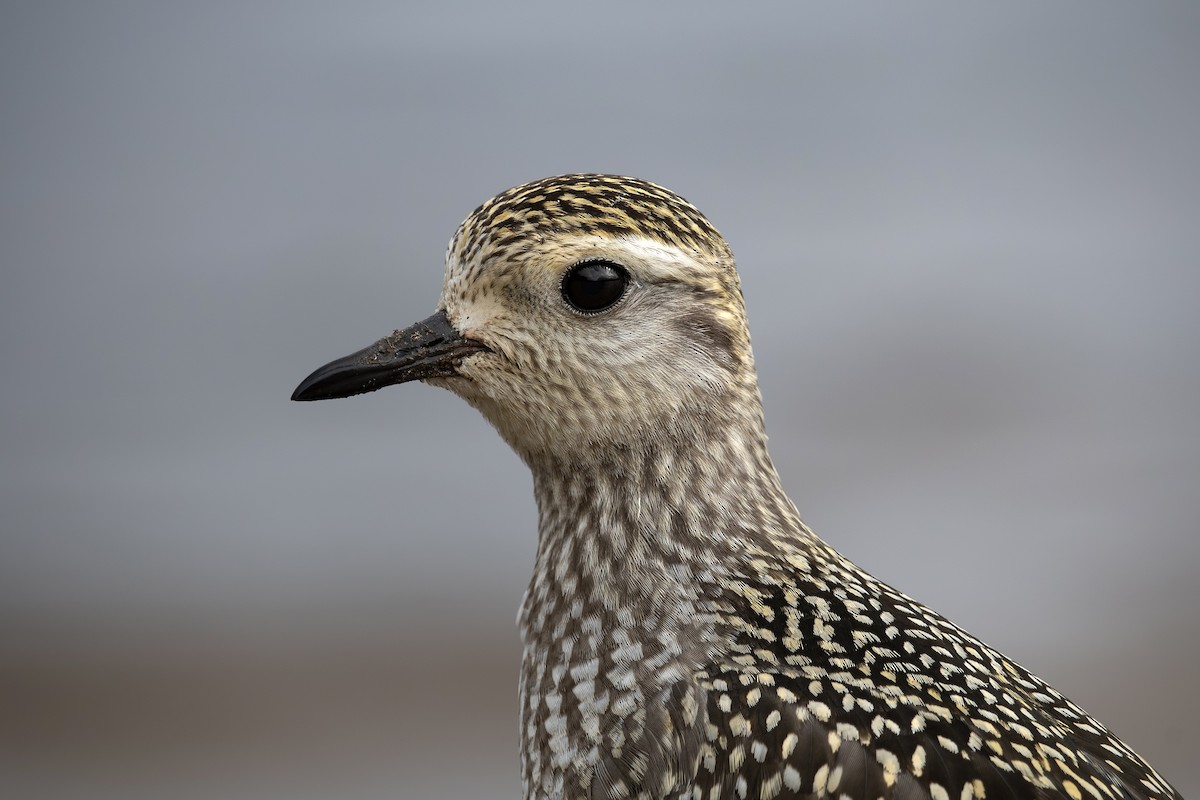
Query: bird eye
{"x": 594, "y": 285}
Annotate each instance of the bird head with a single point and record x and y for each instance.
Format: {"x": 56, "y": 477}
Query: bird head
{"x": 577, "y": 312}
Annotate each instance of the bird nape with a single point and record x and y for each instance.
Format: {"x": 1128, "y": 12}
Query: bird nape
{"x": 685, "y": 634}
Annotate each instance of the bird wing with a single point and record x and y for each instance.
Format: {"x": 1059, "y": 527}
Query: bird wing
{"x": 840, "y": 686}
{"x": 770, "y": 737}
{"x": 833, "y": 684}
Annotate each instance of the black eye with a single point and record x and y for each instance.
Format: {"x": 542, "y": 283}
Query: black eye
{"x": 594, "y": 285}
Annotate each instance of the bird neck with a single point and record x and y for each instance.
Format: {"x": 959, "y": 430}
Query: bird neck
{"x": 630, "y": 526}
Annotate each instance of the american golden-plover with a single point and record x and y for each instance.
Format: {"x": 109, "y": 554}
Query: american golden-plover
{"x": 685, "y": 634}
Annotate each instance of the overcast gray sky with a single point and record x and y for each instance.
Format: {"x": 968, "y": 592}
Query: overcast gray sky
{"x": 968, "y": 243}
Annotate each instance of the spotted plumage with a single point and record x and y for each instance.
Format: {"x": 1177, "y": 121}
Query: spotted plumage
{"x": 686, "y": 635}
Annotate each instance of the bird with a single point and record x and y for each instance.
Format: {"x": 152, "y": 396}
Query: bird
{"x": 685, "y": 634}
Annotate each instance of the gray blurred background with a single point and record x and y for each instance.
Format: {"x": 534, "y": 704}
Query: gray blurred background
{"x": 968, "y": 241}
